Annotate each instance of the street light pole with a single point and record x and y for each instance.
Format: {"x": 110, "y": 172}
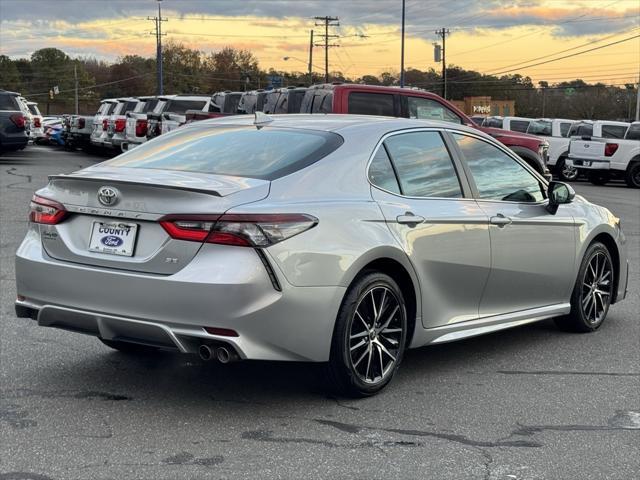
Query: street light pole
{"x": 402, "y": 49}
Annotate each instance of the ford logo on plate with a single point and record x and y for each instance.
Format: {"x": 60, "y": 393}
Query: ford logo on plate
{"x": 111, "y": 241}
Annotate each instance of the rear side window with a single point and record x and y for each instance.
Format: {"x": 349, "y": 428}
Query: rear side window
{"x": 181, "y": 106}
{"x": 363, "y": 103}
{"x": 425, "y": 108}
{"x": 423, "y": 165}
{"x": 381, "y": 172}
{"x": 8, "y": 102}
{"x": 493, "y": 123}
{"x": 564, "y": 129}
{"x": 519, "y": 125}
{"x": 581, "y": 130}
{"x": 267, "y": 153}
{"x": 613, "y": 131}
{"x": 295, "y": 101}
{"x": 634, "y": 132}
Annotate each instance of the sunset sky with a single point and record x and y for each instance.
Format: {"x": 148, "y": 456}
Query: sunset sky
{"x": 491, "y": 36}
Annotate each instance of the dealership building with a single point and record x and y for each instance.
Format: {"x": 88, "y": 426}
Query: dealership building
{"x": 486, "y": 106}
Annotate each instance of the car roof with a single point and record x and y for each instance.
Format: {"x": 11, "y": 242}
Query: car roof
{"x": 336, "y": 122}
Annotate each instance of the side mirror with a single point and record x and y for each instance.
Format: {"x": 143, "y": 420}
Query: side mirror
{"x": 559, "y": 193}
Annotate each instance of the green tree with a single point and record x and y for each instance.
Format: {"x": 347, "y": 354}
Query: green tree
{"x": 9, "y": 74}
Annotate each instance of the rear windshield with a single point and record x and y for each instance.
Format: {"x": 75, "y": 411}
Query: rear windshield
{"x": 149, "y": 105}
{"x": 34, "y": 109}
{"x": 540, "y": 127}
{"x": 8, "y": 102}
{"x": 181, "y": 106}
{"x": 240, "y": 151}
{"x": 581, "y": 130}
{"x": 634, "y": 132}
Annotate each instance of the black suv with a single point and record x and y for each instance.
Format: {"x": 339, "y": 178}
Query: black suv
{"x": 13, "y": 135}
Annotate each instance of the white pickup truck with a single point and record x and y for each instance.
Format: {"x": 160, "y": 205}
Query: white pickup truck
{"x": 607, "y": 150}
{"x": 556, "y": 132}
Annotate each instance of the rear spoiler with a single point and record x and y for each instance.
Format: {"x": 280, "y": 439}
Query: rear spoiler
{"x": 145, "y": 184}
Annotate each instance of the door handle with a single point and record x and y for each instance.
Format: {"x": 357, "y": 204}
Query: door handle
{"x": 500, "y": 220}
{"x": 409, "y": 219}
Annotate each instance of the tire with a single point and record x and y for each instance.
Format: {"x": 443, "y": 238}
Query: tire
{"x": 592, "y": 292}
{"x": 363, "y": 360}
{"x": 599, "y": 178}
{"x": 632, "y": 175}
{"x": 565, "y": 172}
{"x": 128, "y": 347}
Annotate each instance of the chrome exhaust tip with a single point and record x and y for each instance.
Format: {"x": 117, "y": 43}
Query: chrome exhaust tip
{"x": 224, "y": 355}
{"x": 205, "y": 352}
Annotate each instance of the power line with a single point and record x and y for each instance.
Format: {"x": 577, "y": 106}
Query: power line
{"x": 571, "y": 55}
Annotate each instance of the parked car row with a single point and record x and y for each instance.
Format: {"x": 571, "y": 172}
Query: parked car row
{"x": 600, "y": 150}
{"x": 124, "y": 123}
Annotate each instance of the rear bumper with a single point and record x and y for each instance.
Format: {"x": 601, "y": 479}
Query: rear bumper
{"x": 588, "y": 164}
{"x": 12, "y": 141}
{"x": 226, "y": 287}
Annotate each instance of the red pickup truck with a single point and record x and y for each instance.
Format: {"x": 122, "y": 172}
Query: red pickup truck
{"x": 414, "y": 103}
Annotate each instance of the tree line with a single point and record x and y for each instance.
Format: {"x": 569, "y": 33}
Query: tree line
{"x": 187, "y": 70}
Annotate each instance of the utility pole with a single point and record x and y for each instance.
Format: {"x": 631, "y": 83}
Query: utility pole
{"x": 75, "y": 77}
{"x": 311, "y": 58}
{"x": 402, "y": 49}
{"x": 158, "y": 33}
{"x": 443, "y": 32}
{"x": 638, "y": 102}
{"x": 327, "y": 22}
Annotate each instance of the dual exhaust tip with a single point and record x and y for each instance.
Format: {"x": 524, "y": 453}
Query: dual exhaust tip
{"x": 222, "y": 354}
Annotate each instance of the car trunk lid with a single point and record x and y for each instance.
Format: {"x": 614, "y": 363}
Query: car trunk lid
{"x": 142, "y": 197}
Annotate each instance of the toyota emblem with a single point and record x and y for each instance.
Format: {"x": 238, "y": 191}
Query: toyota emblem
{"x": 108, "y": 196}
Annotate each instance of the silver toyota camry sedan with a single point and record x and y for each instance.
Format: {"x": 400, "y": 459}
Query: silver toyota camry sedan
{"x": 335, "y": 239}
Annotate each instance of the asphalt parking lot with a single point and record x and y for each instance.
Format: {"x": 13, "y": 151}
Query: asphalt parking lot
{"x": 528, "y": 403}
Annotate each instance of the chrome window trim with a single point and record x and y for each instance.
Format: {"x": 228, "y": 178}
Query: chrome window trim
{"x": 509, "y": 153}
{"x": 461, "y": 179}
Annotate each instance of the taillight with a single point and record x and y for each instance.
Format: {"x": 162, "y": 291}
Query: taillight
{"x": 36, "y": 122}
{"x": 18, "y": 120}
{"x": 610, "y": 149}
{"x": 120, "y": 123}
{"x": 48, "y": 212}
{"x": 105, "y": 124}
{"x": 81, "y": 123}
{"x": 242, "y": 230}
{"x": 141, "y": 128}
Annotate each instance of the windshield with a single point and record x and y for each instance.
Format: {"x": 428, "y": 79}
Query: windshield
{"x": 492, "y": 122}
{"x": 581, "y": 129}
{"x": 267, "y": 153}
{"x": 540, "y": 127}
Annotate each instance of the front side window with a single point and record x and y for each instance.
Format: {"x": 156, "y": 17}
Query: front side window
{"x": 425, "y": 108}
{"x": 540, "y": 128}
{"x": 613, "y": 131}
{"x": 367, "y": 103}
{"x": 498, "y": 176}
{"x": 423, "y": 165}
